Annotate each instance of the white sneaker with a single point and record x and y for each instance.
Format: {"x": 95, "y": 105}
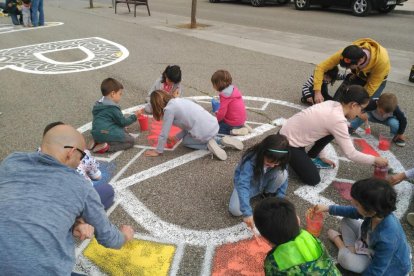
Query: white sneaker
{"x": 410, "y": 218}
{"x": 232, "y": 143}
{"x": 239, "y": 131}
{"x": 215, "y": 149}
{"x": 248, "y": 127}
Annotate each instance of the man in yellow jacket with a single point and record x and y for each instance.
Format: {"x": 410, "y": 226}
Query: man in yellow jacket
{"x": 369, "y": 63}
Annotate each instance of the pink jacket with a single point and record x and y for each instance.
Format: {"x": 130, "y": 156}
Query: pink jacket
{"x": 232, "y": 109}
{"x": 311, "y": 124}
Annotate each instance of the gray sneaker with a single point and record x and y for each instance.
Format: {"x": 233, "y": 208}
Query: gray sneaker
{"x": 232, "y": 143}
{"x": 215, "y": 149}
{"x": 239, "y": 131}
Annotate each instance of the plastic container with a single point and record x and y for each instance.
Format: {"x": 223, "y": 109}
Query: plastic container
{"x": 314, "y": 222}
{"x": 215, "y": 105}
{"x": 367, "y": 129}
{"x": 381, "y": 172}
{"x": 143, "y": 122}
{"x": 384, "y": 141}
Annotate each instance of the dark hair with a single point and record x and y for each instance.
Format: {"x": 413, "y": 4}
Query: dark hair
{"x": 173, "y": 73}
{"x": 333, "y": 74}
{"x": 27, "y": 1}
{"x": 354, "y": 93}
{"x": 50, "y": 126}
{"x": 351, "y": 55}
{"x": 375, "y": 195}
{"x": 221, "y": 79}
{"x": 108, "y": 85}
{"x": 274, "y": 147}
{"x": 388, "y": 102}
{"x": 276, "y": 220}
{"x": 159, "y": 100}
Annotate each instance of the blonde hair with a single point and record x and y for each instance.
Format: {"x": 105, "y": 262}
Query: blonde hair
{"x": 221, "y": 79}
{"x": 388, "y": 102}
{"x": 159, "y": 100}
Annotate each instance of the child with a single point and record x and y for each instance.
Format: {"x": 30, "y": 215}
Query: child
{"x": 385, "y": 110}
{"x": 13, "y": 10}
{"x": 199, "y": 127}
{"x": 27, "y": 22}
{"x": 170, "y": 82}
{"x": 262, "y": 170}
{"x": 397, "y": 178}
{"x": 295, "y": 251}
{"x": 329, "y": 77}
{"x": 231, "y": 114}
{"x": 108, "y": 121}
{"x": 89, "y": 168}
{"x": 377, "y": 245}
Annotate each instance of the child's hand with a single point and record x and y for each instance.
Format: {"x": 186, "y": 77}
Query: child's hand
{"x": 151, "y": 153}
{"x": 310, "y": 100}
{"x": 318, "y": 96}
{"x": 249, "y": 222}
{"x": 381, "y": 161}
{"x": 319, "y": 208}
{"x": 397, "y": 178}
{"x": 139, "y": 112}
{"x": 363, "y": 117}
{"x": 329, "y": 162}
{"x": 172, "y": 140}
{"x": 176, "y": 93}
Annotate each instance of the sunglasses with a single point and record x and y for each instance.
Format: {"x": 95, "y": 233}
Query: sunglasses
{"x": 81, "y": 151}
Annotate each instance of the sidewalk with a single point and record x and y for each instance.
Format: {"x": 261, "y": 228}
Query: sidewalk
{"x": 407, "y": 8}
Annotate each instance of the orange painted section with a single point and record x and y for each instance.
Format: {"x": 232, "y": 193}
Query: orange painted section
{"x": 242, "y": 258}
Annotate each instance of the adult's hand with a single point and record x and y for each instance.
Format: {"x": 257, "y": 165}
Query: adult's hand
{"x": 397, "y": 178}
{"x": 249, "y": 222}
{"x": 82, "y": 230}
{"x": 128, "y": 232}
{"x": 318, "y": 96}
{"x": 381, "y": 161}
{"x": 151, "y": 153}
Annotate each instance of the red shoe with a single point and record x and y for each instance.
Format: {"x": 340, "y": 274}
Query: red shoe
{"x": 101, "y": 148}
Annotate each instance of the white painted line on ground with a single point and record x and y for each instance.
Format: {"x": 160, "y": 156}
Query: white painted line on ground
{"x": 208, "y": 260}
{"x": 178, "y": 256}
{"x": 121, "y": 171}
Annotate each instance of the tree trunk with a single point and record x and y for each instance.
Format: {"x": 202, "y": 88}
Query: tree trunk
{"x": 91, "y": 4}
{"x": 193, "y": 14}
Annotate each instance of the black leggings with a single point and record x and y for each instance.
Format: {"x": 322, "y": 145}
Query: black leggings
{"x": 302, "y": 164}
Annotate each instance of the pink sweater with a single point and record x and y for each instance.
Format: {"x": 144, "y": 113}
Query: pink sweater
{"x": 232, "y": 109}
{"x": 318, "y": 121}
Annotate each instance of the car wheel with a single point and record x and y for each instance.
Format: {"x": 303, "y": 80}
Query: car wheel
{"x": 214, "y": 1}
{"x": 361, "y": 7}
{"x": 302, "y": 4}
{"x": 257, "y": 3}
{"x": 387, "y": 9}
{"x": 283, "y": 2}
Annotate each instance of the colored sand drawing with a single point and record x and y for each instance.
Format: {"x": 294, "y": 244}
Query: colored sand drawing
{"x": 242, "y": 258}
{"x": 155, "y": 130}
{"x": 344, "y": 189}
{"x": 364, "y": 147}
{"x": 137, "y": 257}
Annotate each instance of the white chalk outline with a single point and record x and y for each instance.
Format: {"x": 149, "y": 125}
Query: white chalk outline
{"x": 13, "y": 28}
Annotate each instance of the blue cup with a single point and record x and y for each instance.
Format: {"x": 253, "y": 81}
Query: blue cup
{"x": 215, "y": 105}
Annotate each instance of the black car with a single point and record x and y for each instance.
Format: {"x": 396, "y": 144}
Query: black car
{"x": 359, "y": 7}
{"x": 258, "y": 3}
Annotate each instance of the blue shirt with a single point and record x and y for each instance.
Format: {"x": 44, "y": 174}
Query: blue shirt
{"x": 40, "y": 199}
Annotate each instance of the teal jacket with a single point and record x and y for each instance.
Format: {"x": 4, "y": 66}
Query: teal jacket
{"x": 109, "y": 122}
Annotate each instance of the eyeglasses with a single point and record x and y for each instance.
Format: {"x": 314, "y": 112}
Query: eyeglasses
{"x": 81, "y": 151}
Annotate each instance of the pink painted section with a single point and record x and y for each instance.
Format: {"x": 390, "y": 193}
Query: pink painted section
{"x": 364, "y": 147}
{"x": 242, "y": 258}
{"x": 344, "y": 189}
{"x": 155, "y": 131}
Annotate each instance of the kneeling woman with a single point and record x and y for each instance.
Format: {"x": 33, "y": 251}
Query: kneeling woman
{"x": 318, "y": 125}
{"x": 262, "y": 171}
{"x": 199, "y": 127}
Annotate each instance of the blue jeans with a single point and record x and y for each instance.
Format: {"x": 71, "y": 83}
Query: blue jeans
{"x": 226, "y": 128}
{"x": 15, "y": 19}
{"x": 392, "y": 122}
{"x": 106, "y": 194}
{"x": 38, "y": 16}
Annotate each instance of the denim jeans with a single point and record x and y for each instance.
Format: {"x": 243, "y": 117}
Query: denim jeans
{"x": 15, "y": 19}
{"x": 226, "y": 128}
{"x": 38, "y": 16}
{"x": 392, "y": 122}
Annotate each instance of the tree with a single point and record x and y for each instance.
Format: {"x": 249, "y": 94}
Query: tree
{"x": 193, "y": 14}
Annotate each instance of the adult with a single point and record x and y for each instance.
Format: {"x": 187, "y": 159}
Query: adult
{"x": 14, "y": 13}
{"x": 38, "y": 16}
{"x": 318, "y": 125}
{"x": 44, "y": 202}
{"x": 369, "y": 63}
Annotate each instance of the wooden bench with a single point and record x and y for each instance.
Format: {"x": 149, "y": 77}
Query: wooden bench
{"x": 135, "y": 3}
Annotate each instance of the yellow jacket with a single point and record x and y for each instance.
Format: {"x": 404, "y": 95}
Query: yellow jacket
{"x": 374, "y": 73}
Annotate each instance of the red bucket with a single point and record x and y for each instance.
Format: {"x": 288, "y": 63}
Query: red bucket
{"x": 143, "y": 122}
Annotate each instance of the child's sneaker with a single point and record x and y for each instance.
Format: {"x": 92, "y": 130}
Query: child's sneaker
{"x": 232, "y": 143}
{"x": 101, "y": 148}
{"x": 239, "y": 131}
{"x": 215, "y": 149}
{"x": 248, "y": 127}
{"x": 399, "y": 142}
{"x": 320, "y": 164}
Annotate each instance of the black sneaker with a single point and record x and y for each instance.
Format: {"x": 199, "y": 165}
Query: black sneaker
{"x": 266, "y": 195}
{"x": 399, "y": 142}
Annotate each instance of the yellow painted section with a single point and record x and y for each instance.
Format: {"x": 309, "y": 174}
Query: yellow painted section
{"x": 137, "y": 257}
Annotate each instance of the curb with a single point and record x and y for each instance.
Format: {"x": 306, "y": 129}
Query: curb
{"x": 403, "y": 12}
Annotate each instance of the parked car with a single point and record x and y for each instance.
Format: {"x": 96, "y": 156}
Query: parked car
{"x": 358, "y": 7}
{"x": 258, "y": 3}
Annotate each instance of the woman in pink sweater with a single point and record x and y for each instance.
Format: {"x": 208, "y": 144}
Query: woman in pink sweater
{"x": 319, "y": 125}
{"x": 232, "y": 112}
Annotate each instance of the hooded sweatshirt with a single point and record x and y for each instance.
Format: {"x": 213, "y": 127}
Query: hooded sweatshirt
{"x": 374, "y": 73}
{"x": 232, "y": 109}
